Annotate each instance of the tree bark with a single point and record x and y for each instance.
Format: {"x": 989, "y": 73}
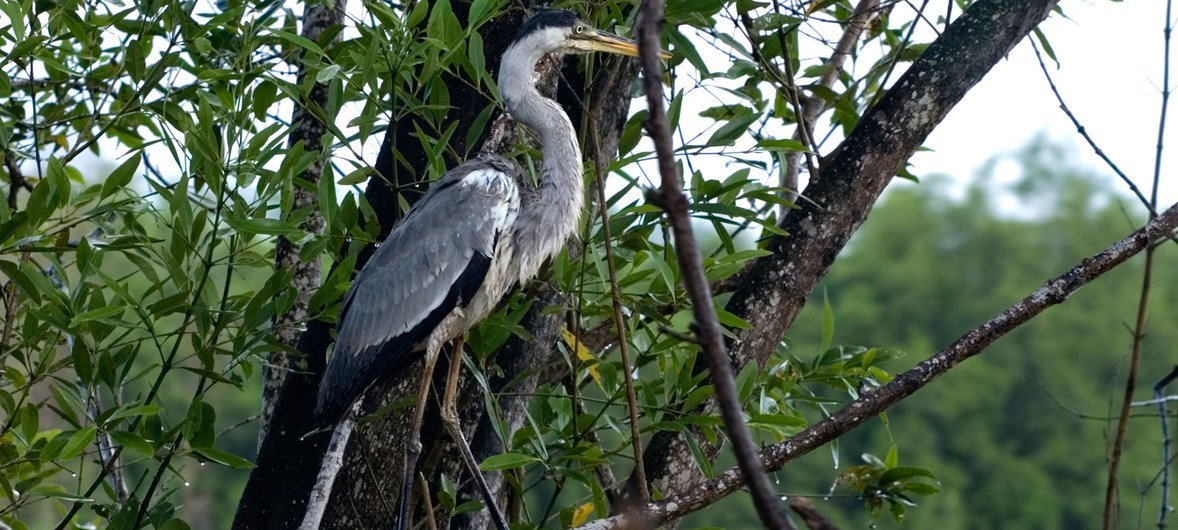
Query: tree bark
{"x": 364, "y": 495}
{"x": 774, "y": 288}
{"x": 304, "y": 275}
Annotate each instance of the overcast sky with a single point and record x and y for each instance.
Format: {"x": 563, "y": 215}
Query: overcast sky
{"x": 1110, "y": 75}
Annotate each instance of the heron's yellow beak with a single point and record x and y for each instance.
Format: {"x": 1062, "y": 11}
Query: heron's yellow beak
{"x": 602, "y": 41}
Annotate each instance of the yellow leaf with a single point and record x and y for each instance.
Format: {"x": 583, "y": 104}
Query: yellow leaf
{"x": 585, "y": 355}
{"x": 582, "y": 513}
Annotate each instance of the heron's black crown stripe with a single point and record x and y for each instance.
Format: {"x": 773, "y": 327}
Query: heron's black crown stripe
{"x": 546, "y": 19}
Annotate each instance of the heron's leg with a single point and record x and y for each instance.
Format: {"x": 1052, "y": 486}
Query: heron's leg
{"x": 413, "y": 444}
{"x": 450, "y": 419}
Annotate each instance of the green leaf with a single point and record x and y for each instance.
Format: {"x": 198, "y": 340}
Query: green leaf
{"x": 78, "y": 442}
{"x": 97, "y": 314}
{"x": 897, "y": 474}
{"x": 479, "y": 9}
{"x": 735, "y": 128}
{"x": 1046, "y": 46}
{"x": 174, "y": 524}
{"x": 263, "y": 97}
{"x": 22, "y": 280}
{"x": 24, "y": 47}
{"x": 783, "y": 144}
{"x": 224, "y": 458}
{"x": 264, "y": 225}
{"x": 141, "y": 410}
{"x": 358, "y": 176}
{"x": 133, "y": 442}
{"x": 297, "y": 40}
{"x": 730, "y": 320}
{"x": 893, "y": 457}
{"x": 506, "y": 461}
{"x": 327, "y": 74}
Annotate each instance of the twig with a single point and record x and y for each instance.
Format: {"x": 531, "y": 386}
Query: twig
{"x": 106, "y": 446}
{"x": 620, "y": 327}
{"x": 872, "y": 403}
{"x": 1110, "y": 495}
{"x": 812, "y": 107}
{"x": 810, "y": 515}
{"x": 333, "y": 461}
{"x": 896, "y": 56}
{"x": 1114, "y": 459}
{"x": 426, "y": 499}
{"x": 670, "y": 197}
{"x": 1158, "y": 390}
{"x": 1084, "y": 133}
{"x": 786, "y": 78}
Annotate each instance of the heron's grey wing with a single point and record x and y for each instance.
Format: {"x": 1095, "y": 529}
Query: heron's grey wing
{"x": 433, "y": 261}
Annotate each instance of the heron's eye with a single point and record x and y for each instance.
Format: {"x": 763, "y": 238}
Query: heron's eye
{"x": 580, "y": 29}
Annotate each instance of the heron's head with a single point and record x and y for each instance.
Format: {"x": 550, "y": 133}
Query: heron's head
{"x": 559, "y": 30}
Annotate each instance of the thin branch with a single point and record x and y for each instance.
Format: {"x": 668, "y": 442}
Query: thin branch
{"x": 1111, "y": 505}
{"x": 1114, "y": 460}
{"x": 1084, "y": 133}
{"x": 871, "y": 404}
{"x": 1158, "y": 391}
{"x": 810, "y": 515}
{"x": 883, "y": 84}
{"x": 619, "y": 323}
{"x": 812, "y": 107}
{"x": 671, "y": 198}
{"x": 333, "y": 461}
{"x": 804, "y": 129}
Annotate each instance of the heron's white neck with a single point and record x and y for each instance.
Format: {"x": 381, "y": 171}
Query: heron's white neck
{"x": 547, "y": 221}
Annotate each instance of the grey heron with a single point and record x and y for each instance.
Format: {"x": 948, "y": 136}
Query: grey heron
{"x": 481, "y": 228}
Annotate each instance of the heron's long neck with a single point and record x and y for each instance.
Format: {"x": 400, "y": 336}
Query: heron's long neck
{"x": 545, "y": 222}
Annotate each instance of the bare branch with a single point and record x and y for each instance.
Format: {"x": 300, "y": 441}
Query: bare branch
{"x": 619, "y": 321}
{"x": 671, "y": 198}
{"x": 328, "y": 470}
{"x": 1088, "y": 138}
{"x": 810, "y": 515}
{"x": 1111, "y": 506}
{"x": 812, "y": 107}
{"x": 872, "y": 403}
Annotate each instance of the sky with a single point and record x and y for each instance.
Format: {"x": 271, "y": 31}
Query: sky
{"x": 1110, "y": 76}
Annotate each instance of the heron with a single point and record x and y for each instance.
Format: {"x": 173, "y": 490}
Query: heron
{"x": 482, "y": 228}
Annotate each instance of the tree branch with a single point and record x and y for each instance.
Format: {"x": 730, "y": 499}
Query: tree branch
{"x": 812, "y": 107}
{"x": 1111, "y": 506}
{"x": 706, "y": 326}
{"x": 775, "y": 287}
{"x": 872, "y": 403}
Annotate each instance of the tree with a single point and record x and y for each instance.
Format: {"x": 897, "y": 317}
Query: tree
{"x": 129, "y": 310}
